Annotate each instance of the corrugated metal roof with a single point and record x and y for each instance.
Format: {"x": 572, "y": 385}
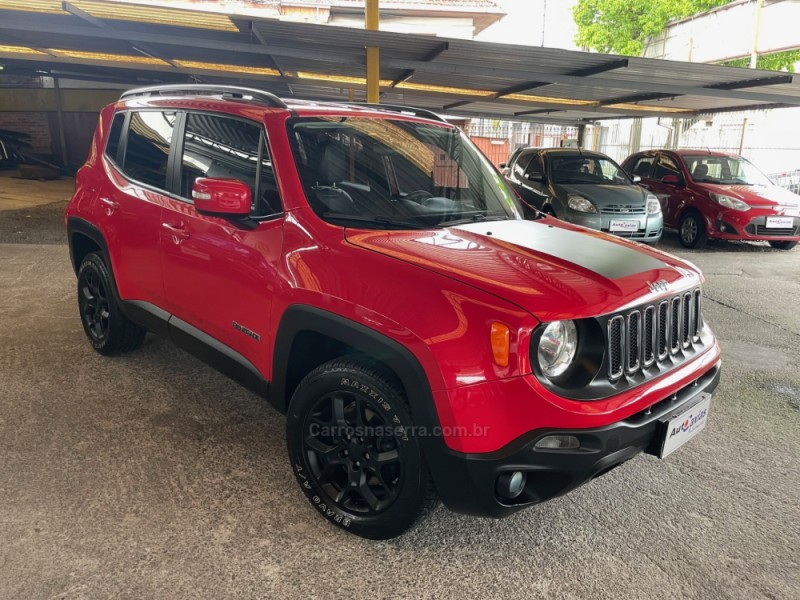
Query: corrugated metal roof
{"x": 323, "y": 62}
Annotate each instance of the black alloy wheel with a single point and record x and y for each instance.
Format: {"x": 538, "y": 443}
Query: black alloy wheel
{"x": 93, "y": 303}
{"x": 354, "y": 449}
{"x": 107, "y": 328}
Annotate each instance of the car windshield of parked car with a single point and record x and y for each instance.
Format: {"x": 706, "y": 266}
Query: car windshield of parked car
{"x": 727, "y": 170}
{"x": 396, "y": 174}
{"x": 578, "y": 168}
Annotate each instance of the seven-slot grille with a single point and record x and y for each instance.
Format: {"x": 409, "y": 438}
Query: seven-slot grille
{"x": 646, "y": 335}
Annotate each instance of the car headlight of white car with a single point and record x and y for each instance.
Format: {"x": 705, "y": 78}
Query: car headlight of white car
{"x": 581, "y": 204}
{"x": 729, "y": 202}
{"x": 653, "y": 205}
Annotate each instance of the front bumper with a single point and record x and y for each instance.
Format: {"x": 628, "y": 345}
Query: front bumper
{"x": 469, "y": 481}
{"x": 643, "y": 227}
{"x": 751, "y": 225}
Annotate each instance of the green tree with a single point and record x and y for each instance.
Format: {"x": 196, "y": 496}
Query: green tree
{"x": 622, "y": 26}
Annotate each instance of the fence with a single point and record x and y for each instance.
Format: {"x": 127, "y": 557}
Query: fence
{"x": 498, "y": 139}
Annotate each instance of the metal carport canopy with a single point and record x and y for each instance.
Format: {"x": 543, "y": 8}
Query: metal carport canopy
{"x": 136, "y": 44}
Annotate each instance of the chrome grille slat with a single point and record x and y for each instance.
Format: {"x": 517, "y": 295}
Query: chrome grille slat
{"x": 616, "y": 332}
{"x": 651, "y": 334}
{"x": 633, "y": 341}
{"x": 663, "y": 330}
{"x": 698, "y": 323}
{"x": 687, "y": 326}
{"x": 675, "y": 325}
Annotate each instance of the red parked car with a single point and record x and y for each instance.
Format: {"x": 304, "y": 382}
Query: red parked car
{"x": 708, "y": 194}
{"x": 368, "y": 272}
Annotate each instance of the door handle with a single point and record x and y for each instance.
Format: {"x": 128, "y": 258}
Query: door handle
{"x": 177, "y": 232}
{"x": 110, "y": 205}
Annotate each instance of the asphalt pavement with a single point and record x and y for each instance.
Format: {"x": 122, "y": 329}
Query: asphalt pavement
{"x": 152, "y": 476}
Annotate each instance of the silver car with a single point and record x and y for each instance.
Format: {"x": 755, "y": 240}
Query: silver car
{"x": 586, "y": 188}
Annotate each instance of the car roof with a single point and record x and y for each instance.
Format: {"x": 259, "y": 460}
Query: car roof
{"x": 568, "y": 152}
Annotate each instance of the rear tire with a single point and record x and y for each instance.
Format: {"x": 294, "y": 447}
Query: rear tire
{"x": 692, "y": 231}
{"x": 354, "y": 452}
{"x": 108, "y": 330}
{"x": 783, "y": 245}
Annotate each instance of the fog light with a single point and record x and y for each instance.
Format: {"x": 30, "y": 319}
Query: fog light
{"x": 511, "y": 484}
{"x": 558, "y": 442}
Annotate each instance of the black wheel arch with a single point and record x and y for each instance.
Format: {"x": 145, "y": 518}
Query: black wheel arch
{"x": 302, "y": 328}
{"x": 84, "y": 238}
{"x": 308, "y": 337}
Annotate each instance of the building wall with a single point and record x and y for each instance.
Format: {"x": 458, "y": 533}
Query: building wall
{"x": 35, "y": 124}
{"x": 728, "y": 32}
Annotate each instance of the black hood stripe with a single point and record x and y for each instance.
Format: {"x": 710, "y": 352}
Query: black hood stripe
{"x": 606, "y": 258}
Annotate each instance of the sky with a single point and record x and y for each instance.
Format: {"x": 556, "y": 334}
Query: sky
{"x": 524, "y": 24}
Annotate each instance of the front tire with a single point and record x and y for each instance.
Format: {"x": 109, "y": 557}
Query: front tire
{"x": 108, "y": 330}
{"x": 692, "y": 231}
{"x": 783, "y": 245}
{"x": 354, "y": 451}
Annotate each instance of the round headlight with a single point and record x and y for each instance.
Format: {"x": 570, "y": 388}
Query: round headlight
{"x": 557, "y": 347}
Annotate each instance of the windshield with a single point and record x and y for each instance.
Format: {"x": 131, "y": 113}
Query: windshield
{"x": 731, "y": 170}
{"x": 394, "y": 174}
{"x": 576, "y": 168}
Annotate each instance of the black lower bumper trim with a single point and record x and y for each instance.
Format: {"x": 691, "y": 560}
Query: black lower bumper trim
{"x": 470, "y": 484}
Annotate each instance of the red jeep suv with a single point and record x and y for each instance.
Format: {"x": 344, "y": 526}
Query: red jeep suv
{"x": 367, "y": 271}
{"x": 708, "y": 194}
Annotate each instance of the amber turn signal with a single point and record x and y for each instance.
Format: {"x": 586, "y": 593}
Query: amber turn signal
{"x": 501, "y": 343}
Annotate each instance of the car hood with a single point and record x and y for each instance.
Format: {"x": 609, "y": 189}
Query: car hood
{"x": 551, "y": 269}
{"x": 603, "y": 195}
{"x": 756, "y": 195}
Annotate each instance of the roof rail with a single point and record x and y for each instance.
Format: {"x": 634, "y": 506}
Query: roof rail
{"x": 417, "y": 112}
{"x": 230, "y": 91}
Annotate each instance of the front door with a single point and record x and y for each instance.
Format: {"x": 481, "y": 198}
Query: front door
{"x": 219, "y": 275}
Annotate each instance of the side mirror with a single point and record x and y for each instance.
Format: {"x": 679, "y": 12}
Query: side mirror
{"x": 222, "y": 197}
{"x": 671, "y": 180}
{"x": 638, "y": 179}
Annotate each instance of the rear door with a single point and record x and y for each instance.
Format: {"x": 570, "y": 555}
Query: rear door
{"x": 673, "y": 197}
{"x": 132, "y": 197}
{"x": 219, "y": 275}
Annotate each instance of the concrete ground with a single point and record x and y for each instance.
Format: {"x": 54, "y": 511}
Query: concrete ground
{"x": 152, "y": 476}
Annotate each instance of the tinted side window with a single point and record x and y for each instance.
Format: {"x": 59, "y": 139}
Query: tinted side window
{"x": 112, "y": 144}
{"x": 147, "y": 150}
{"x": 666, "y": 166}
{"x": 226, "y": 148}
{"x": 643, "y": 166}
{"x": 521, "y": 164}
{"x": 534, "y": 170}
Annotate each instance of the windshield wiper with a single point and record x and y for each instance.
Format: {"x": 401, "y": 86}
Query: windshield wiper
{"x": 384, "y": 222}
{"x": 476, "y": 218}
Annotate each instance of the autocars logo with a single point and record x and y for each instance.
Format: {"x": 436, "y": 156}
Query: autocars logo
{"x": 658, "y": 286}
{"x": 689, "y": 424}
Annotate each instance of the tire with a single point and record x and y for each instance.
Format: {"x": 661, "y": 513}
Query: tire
{"x": 350, "y": 443}
{"x": 108, "y": 330}
{"x": 783, "y": 245}
{"x": 692, "y": 231}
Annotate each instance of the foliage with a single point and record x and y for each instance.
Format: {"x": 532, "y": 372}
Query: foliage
{"x": 622, "y": 26}
{"x": 777, "y": 61}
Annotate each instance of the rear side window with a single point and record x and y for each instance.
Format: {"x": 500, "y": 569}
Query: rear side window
{"x": 643, "y": 166}
{"x": 147, "y": 149}
{"x": 112, "y": 144}
{"x": 225, "y": 148}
